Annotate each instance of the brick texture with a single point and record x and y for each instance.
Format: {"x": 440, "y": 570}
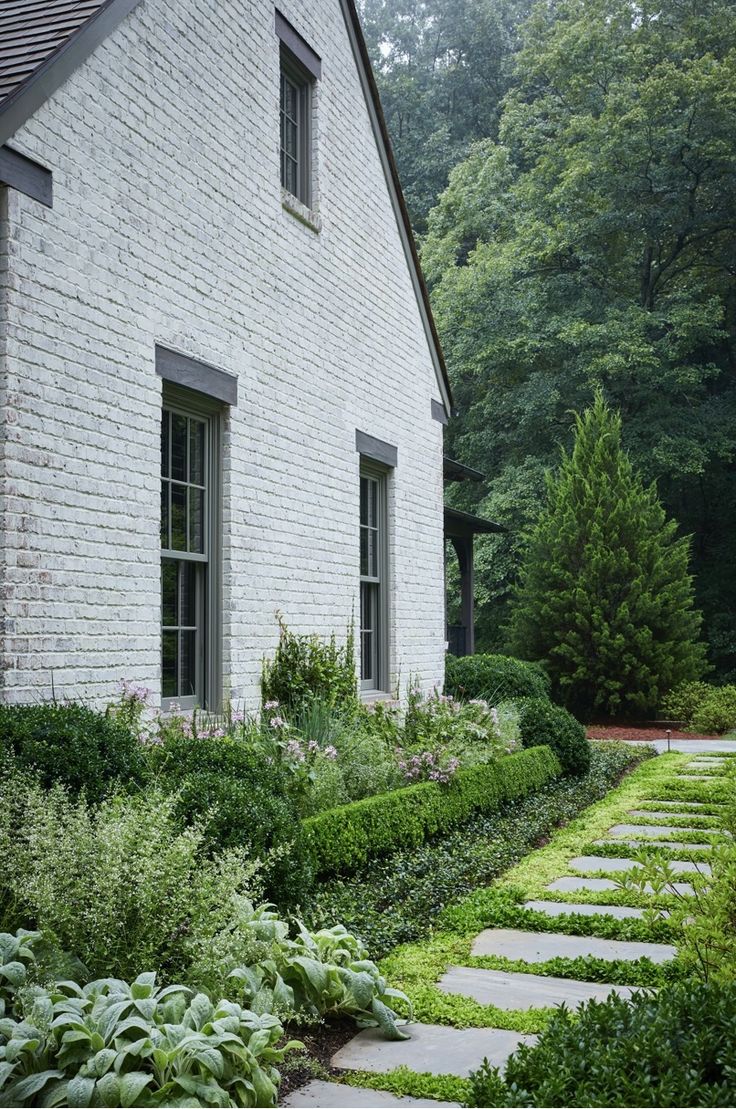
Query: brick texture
{"x": 168, "y": 227}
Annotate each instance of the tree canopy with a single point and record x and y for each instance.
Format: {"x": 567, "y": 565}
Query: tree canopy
{"x": 592, "y": 245}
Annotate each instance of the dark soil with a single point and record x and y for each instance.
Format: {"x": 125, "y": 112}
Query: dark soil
{"x": 648, "y": 732}
{"x": 321, "y": 1041}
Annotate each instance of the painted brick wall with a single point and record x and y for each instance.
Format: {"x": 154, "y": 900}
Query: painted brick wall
{"x": 168, "y": 227}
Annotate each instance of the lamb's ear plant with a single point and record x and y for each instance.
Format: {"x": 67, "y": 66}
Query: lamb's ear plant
{"x": 317, "y": 974}
{"x": 113, "y": 1043}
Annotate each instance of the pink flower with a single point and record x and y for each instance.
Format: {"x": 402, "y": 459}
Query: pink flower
{"x": 278, "y": 722}
{"x": 331, "y": 753}
{"x": 269, "y": 705}
{"x": 312, "y": 746}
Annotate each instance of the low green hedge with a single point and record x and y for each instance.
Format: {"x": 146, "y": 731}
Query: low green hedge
{"x": 344, "y": 838}
{"x": 495, "y": 678}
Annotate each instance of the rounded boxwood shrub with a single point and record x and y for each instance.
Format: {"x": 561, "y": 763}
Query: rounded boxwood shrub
{"x": 73, "y": 745}
{"x": 717, "y": 711}
{"x": 673, "y": 1048}
{"x": 239, "y": 799}
{"x": 494, "y": 678}
{"x": 542, "y": 722}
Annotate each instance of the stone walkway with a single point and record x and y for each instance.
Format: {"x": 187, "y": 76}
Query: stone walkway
{"x": 443, "y": 1050}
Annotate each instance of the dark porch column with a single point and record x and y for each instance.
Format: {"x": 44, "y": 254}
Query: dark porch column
{"x": 464, "y": 549}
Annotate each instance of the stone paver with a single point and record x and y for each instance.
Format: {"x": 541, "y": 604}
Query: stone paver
{"x": 433, "y": 1048}
{"x": 600, "y": 862}
{"x": 693, "y": 819}
{"x": 538, "y": 947}
{"x": 684, "y": 804}
{"x": 654, "y": 831}
{"x": 670, "y": 844}
{"x": 569, "y": 884}
{"x": 510, "y": 990}
{"x": 331, "y": 1095}
{"x": 690, "y": 746}
{"x": 684, "y": 776}
{"x": 564, "y": 908}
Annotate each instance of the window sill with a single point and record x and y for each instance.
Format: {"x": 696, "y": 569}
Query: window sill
{"x": 305, "y": 215}
{"x": 368, "y": 696}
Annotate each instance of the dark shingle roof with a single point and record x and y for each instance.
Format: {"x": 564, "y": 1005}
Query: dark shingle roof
{"x": 32, "y": 30}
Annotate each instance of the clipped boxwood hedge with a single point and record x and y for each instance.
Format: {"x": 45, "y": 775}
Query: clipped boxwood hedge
{"x": 344, "y": 838}
{"x": 494, "y": 678}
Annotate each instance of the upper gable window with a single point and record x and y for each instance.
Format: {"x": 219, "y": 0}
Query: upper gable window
{"x": 300, "y": 69}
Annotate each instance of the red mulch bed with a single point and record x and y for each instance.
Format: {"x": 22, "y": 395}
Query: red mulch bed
{"x": 604, "y": 731}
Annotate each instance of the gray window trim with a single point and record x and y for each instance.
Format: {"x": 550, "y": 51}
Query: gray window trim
{"x": 375, "y": 449}
{"x": 298, "y": 47}
{"x": 438, "y": 413}
{"x": 26, "y": 176}
{"x": 192, "y": 403}
{"x": 291, "y": 68}
{"x": 382, "y": 683}
{"x": 180, "y": 369}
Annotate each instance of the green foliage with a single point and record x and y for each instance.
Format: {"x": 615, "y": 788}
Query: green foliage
{"x": 542, "y": 722}
{"x": 704, "y": 708}
{"x": 681, "y": 703}
{"x": 674, "y": 1048}
{"x": 305, "y": 668}
{"x": 494, "y": 678}
{"x": 121, "y": 886}
{"x": 239, "y": 796}
{"x": 317, "y": 974}
{"x": 71, "y": 744}
{"x": 592, "y": 245}
{"x": 343, "y": 839}
{"x": 442, "y": 68}
{"x": 605, "y": 597}
{"x": 404, "y": 1082}
{"x": 717, "y": 711}
{"x": 401, "y": 898}
{"x": 118, "y": 1044}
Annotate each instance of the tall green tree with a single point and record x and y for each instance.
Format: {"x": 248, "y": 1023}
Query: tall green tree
{"x": 595, "y": 244}
{"x": 443, "y": 67}
{"x": 605, "y": 597}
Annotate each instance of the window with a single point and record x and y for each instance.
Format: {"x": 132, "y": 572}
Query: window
{"x": 374, "y": 671}
{"x": 296, "y": 146}
{"x": 190, "y": 482}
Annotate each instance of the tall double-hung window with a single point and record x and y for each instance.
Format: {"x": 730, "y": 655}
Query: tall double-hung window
{"x": 374, "y": 637}
{"x": 300, "y": 69}
{"x": 190, "y": 479}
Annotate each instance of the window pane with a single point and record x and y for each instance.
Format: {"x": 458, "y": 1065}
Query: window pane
{"x": 188, "y": 572}
{"x": 196, "y": 520}
{"x": 178, "y": 517}
{"x": 188, "y": 664}
{"x": 169, "y": 606}
{"x": 364, "y": 500}
{"x": 178, "y": 447}
{"x": 196, "y": 452}
{"x": 165, "y": 515}
{"x": 165, "y": 420}
{"x": 169, "y": 664}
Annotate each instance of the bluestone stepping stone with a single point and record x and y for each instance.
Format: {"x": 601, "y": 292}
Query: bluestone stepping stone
{"x": 646, "y": 831}
{"x": 538, "y": 947}
{"x": 564, "y": 908}
{"x": 433, "y": 1048}
{"x": 684, "y": 804}
{"x": 696, "y": 777}
{"x": 669, "y": 844}
{"x": 695, "y": 820}
{"x": 600, "y": 862}
{"x": 511, "y": 990}
{"x": 569, "y": 884}
{"x": 331, "y": 1095}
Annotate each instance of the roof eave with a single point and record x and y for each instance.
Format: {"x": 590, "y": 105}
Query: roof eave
{"x": 383, "y": 141}
{"x": 17, "y": 108}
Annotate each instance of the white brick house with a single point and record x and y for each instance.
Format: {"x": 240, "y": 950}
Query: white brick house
{"x": 157, "y": 277}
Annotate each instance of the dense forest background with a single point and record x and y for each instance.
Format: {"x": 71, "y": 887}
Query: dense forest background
{"x": 570, "y": 169}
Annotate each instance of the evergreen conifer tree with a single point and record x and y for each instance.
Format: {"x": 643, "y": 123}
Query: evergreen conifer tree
{"x": 605, "y": 597}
